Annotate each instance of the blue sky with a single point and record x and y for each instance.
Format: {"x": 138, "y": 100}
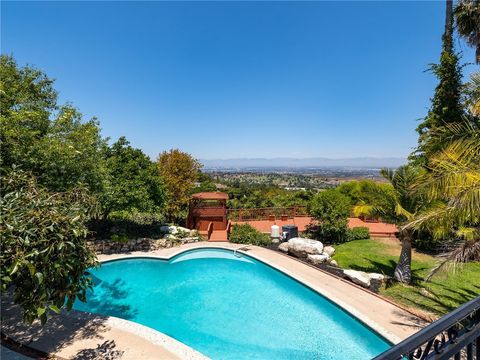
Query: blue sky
{"x": 240, "y": 79}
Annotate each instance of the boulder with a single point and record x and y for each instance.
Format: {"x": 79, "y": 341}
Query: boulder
{"x": 332, "y": 263}
{"x": 183, "y": 230}
{"x": 318, "y": 259}
{"x": 172, "y": 229}
{"x": 283, "y": 247}
{"x": 358, "y": 277}
{"x": 301, "y": 247}
{"x": 375, "y": 276}
{"x": 168, "y": 229}
{"x": 329, "y": 250}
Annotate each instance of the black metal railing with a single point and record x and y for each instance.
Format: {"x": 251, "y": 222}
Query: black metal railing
{"x": 454, "y": 336}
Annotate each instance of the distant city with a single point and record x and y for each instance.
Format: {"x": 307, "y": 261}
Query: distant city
{"x": 292, "y": 178}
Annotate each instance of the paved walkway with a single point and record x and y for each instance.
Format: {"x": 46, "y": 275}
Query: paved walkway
{"x": 79, "y": 335}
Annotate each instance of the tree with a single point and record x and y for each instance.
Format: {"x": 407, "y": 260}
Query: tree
{"x": 366, "y": 194}
{"x": 405, "y": 202}
{"x": 452, "y": 184}
{"x": 44, "y": 253}
{"x": 467, "y": 16}
{"x": 133, "y": 181}
{"x": 26, "y": 102}
{"x": 331, "y": 209}
{"x": 446, "y": 107}
{"x": 179, "y": 170}
{"x": 61, "y": 153}
{"x": 472, "y": 98}
{"x": 205, "y": 183}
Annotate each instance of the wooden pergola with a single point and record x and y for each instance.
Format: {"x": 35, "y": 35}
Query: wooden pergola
{"x": 208, "y": 208}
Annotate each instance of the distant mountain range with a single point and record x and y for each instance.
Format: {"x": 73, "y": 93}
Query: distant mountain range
{"x": 316, "y": 162}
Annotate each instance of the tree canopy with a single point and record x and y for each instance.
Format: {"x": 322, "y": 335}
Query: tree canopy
{"x": 133, "y": 182}
{"x": 331, "y": 208}
{"x": 179, "y": 171}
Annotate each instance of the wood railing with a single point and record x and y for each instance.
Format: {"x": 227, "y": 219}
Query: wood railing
{"x": 229, "y": 228}
{"x": 209, "y": 230}
{"x": 270, "y": 213}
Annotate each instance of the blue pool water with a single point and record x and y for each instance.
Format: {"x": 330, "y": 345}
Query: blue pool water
{"x": 230, "y": 308}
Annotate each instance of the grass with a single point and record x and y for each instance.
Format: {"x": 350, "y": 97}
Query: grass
{"x": 442, "y": 294}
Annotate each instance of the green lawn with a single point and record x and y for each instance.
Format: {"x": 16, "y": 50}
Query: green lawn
{"x": 442, "y": 294}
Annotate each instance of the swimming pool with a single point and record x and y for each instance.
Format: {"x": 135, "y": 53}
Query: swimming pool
{"x": 229, "y": 307}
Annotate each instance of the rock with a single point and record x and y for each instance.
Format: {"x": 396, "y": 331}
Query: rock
{"x": 283, "y": 247}
{"x": 301, "y": 247}
{"x": 168, "y": 229}
{"x": 358, "y": 277}
{"x": 318, "y": 259}
{"x": 191, "y": 239}
{"x": 182, "y": 229}
{"x": 329, "y": 250}
{"x": 332, "y": 263}
{"x": 375, "y": 276}
{"x": 170, "y": 237}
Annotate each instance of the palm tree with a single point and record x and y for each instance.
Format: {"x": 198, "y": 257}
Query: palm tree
{"x": 452, "y": 184}
{"x": 403, "y": 206}
{"x": 472, "y": 92}
{"x": 467, "y": 16}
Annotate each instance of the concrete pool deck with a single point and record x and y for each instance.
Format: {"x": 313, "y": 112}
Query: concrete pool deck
{"x": 71, "y": 335}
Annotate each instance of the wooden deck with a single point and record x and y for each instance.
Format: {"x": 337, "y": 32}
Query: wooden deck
{"x": 377, "y": 229}
{"x": 216, "y": 236}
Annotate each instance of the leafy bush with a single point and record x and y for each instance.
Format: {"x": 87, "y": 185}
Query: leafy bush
{"x": 331, "y": 209}
{"x": 358, "y": 233}
{"x": 247, "y": 234}
{"x": 128, "y": 225}
{"x": 44, "y": 254}
{"x": 122, "y": 238}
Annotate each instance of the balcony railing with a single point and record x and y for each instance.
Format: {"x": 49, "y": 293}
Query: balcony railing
{"x": 454, "y": 336}
{"x": 266, "y": 213}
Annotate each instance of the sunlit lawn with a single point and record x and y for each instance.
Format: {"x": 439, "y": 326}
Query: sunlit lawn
{"x": 442, "y": 294}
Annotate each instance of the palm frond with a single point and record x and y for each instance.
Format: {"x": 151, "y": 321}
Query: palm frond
{"x": 462, "y": 253}
{"x": 363, "y": 210}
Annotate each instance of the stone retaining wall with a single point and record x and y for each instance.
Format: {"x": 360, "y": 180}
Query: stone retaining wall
{"x": 140, "y": 244}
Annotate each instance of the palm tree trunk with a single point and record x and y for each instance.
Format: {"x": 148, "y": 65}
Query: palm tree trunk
{"x": 449, "y": 18}
{"x": 403, "y": 270}
{"x": 448, "y": 34}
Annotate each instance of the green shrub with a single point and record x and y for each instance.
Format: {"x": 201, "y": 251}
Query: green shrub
{"x": 331, "y": 209}
{"x": 358, "y": 233}
{"x": 122, "y": 238}
{"x": 130, "y": 225}
{"x": 44, "y": 254}
{"x": 246, "y": 234}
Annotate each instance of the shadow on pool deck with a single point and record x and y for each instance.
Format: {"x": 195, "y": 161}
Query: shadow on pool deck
{"x": 78, "y": 335}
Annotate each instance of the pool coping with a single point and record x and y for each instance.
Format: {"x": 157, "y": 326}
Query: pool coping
{"x": 389, "y": 336}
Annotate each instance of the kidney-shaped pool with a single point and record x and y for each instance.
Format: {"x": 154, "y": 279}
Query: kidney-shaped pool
{"x": 229, "y": 307}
